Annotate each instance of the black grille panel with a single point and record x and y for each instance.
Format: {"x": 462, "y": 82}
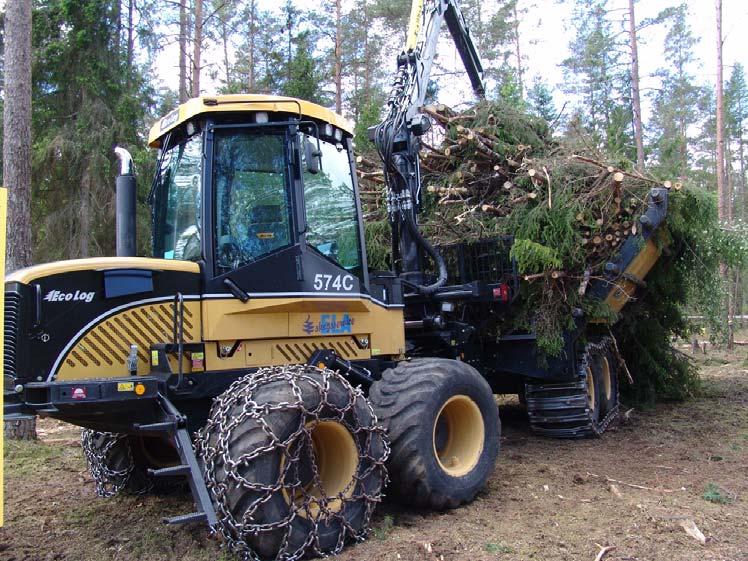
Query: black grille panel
{"x": 12, "y": 322}
{"x": 485, "y": 260}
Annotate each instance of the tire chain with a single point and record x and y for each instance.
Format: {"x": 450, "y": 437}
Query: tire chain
{"x": 223, "y": 419}
{"x": 109, "y": 482}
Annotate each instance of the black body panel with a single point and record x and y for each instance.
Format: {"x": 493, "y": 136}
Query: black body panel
{"x": 18, "y": 323}
{"x": 289, "y": 271}
{"x": 57, "y": 310}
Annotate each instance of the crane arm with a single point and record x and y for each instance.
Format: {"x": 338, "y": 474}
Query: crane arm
{"x": 397, "y": 137}
{"x": 465, "y": 46}
{"x": 442, "y": 11}
{"x": 415, "y": 62}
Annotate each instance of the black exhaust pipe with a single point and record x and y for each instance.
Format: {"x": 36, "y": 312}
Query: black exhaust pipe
{"x": 126, "y": 200}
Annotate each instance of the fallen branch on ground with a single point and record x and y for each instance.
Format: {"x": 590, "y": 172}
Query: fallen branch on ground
{"x": 632, "y": 485}
{"x": 604, "y": 551}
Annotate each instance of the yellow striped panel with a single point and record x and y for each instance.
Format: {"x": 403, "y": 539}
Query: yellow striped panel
{"x": 103, "y": 351}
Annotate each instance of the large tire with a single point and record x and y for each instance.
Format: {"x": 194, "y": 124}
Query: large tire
{"x": 584, "y": 407}
{"x": 444, "y": 429}
{"x": 294, "y": 461}
{"x": 112, "y": 464}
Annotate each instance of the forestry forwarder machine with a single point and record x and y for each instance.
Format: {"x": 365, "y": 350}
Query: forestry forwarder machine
{"x": 257, "y": 357}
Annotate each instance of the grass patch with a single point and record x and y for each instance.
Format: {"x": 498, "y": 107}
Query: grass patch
{"x": 715, "y": 494}
{"x": 150, "y": 541}
{"x": 498, "y": 548}
{"x": 24, "y": 457}
{"x": 709, "y": 389}
{"x": 715, "y": 361}
{"x": 83, "y": 514}
{"x": 382, "y": 531}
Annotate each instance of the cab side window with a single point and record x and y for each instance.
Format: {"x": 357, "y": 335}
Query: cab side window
{"x": 178, "y": 231}
{"x": 331, "y": 215}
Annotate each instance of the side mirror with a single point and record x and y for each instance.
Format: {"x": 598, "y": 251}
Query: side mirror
{"x": 312, "y": 157}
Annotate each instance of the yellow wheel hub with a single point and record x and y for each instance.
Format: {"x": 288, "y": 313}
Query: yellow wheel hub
{"x": 607, "y": 382}
{"x": 336, "y": 458}
{"x": 458, "y": 436}
{"x": 590, "y": 389}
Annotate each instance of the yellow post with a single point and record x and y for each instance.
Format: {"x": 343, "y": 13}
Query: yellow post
{"x": 3, "y": 220}
{"x": 414, "y": 27}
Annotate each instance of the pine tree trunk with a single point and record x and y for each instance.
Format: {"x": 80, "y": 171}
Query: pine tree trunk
{"x": 741, "y": 213}
{"x": 368, "y": 59}
{"x": 518, "y": 52}
{"x": 338, "y": 59}
{"x": 17, "y": 132}
{"x": 635, "y": 95}
{"x": 738, "y": 297}
{"x": 741, "y": 155}
{"x": 289, "y": 27}
{"x": 17, "y": 158}
{"x": 251, "y": 54}
{"x": 225, "y": 40}
{"x": 732, "y": 274}
{"x": 723, "y": 208}
{"x": 721, "y": 194}
{"x": 183, "y": 51}
{"x": 118, "y": 26}
{"x": 197, "y": 45}
{"x": 130, "y": 35}
{"x": 729, "y": 183}
{"x": 84, "y": 218}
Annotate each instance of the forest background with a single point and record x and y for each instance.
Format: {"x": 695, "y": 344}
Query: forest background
{"x": 103, "y": 71}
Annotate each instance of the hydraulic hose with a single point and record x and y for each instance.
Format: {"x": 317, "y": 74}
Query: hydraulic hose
{"x": 435, "y": 255}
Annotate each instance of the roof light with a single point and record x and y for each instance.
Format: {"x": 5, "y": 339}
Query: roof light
{"x": 261, "y": 117}
{"x": 338, "y": 135}
{"x": 327, "y": 130}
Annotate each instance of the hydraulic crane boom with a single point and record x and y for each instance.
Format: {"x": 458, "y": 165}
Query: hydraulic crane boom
{"x": 397, "y": 137}
{"x": 423, "y": 45}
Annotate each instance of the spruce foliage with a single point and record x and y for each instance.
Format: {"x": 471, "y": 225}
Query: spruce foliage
{"x": 499, "y": 172}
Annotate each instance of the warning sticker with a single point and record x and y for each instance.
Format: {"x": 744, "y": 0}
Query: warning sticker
{"x": 126, "y": 387}
{"x": 198, "y": 362}
{"x": 79, "y": 393}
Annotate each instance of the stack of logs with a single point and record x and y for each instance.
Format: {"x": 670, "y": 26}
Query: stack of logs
{"x": 478, "y": 172}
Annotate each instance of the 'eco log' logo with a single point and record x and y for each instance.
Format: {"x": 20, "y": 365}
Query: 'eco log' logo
{"x": 77, "y": 296}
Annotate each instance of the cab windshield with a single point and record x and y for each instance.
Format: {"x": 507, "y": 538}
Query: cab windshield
{"x": 252, "y": 205}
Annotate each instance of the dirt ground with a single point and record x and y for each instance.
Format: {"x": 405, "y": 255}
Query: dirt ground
{"x": 672, "y": 467}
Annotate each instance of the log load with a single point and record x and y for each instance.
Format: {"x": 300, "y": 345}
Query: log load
{"x": 493, "y": 170}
